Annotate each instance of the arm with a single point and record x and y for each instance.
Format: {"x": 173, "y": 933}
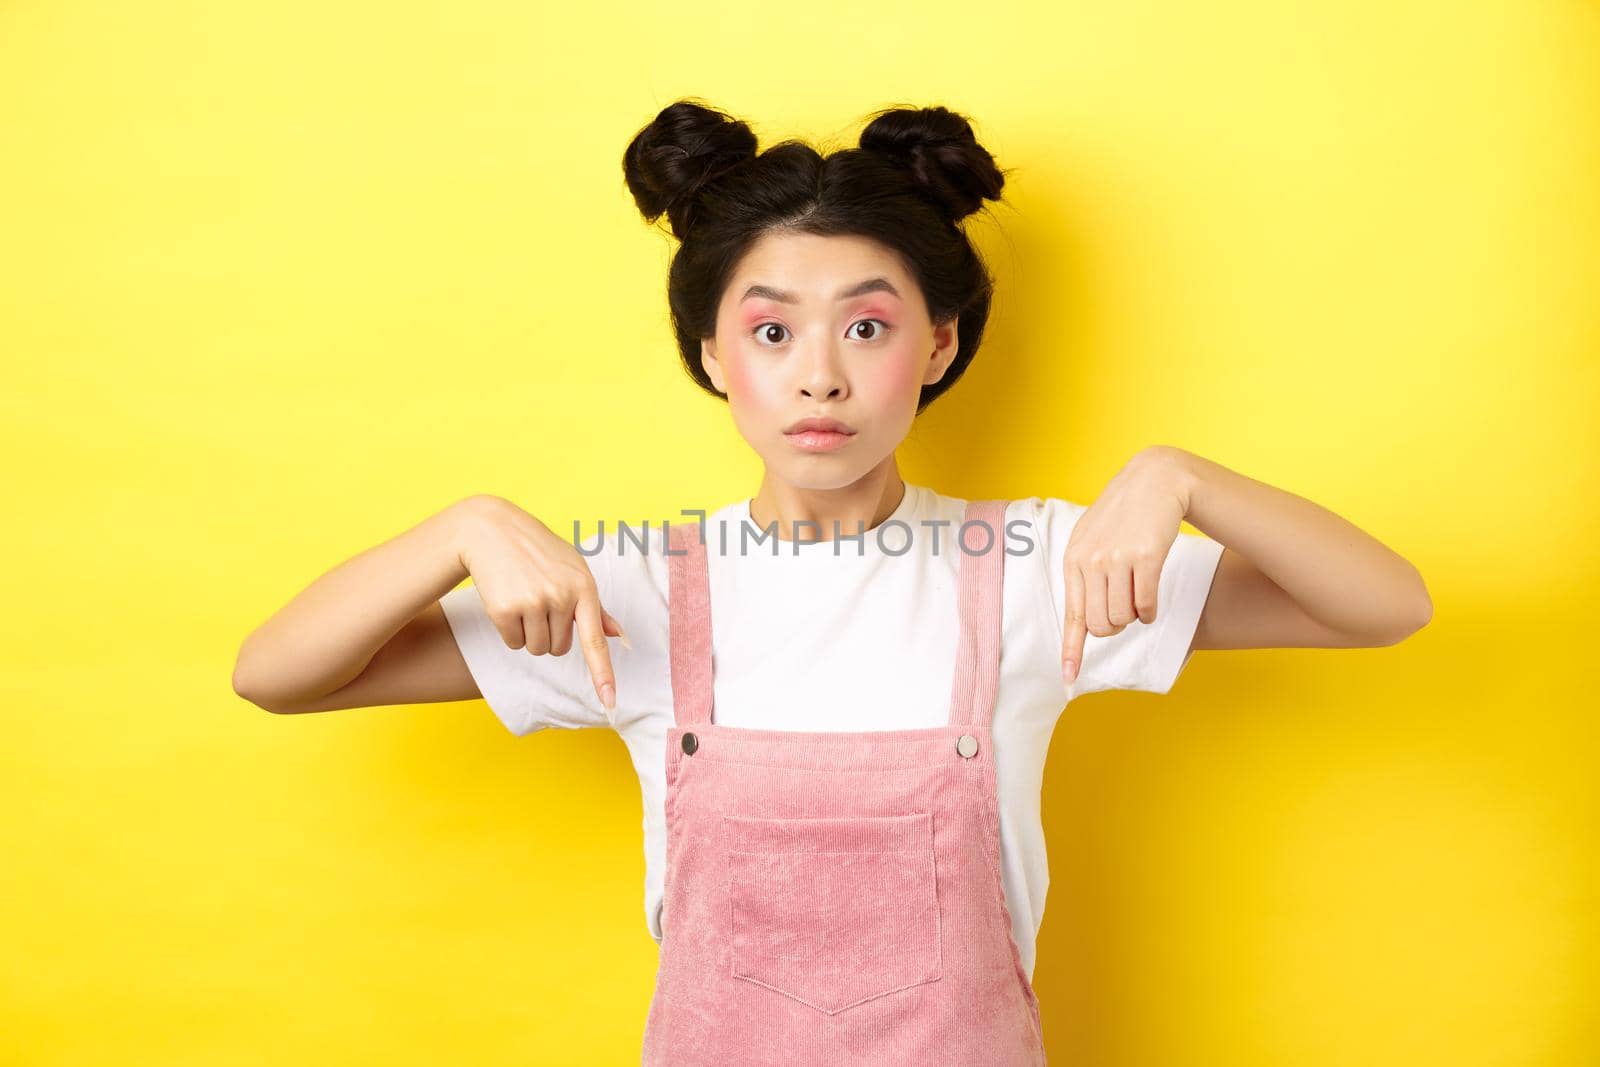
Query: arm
{"x": 372, "y": 631}
{"x": 369, "y": 632}
{"x": 1292, "y": 574}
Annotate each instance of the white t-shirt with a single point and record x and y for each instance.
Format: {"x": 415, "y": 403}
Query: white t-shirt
{"x": 858, "y": 635}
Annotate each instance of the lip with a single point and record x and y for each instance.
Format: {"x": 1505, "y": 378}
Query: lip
{"x": 818, "y": 423}
{"x": 818, "y": 440}
{"x": 818, "y": 434}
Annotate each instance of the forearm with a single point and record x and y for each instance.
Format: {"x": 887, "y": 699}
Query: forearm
{"x": 1337, "y": 573}
{"x": 326, "y": 636}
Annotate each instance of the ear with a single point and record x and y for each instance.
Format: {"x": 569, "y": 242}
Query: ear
{"x": 946, "y": 342}
{"x": 708, "y": 362}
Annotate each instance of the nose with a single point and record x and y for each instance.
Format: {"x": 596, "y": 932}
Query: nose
{"x": 822, "y": 373}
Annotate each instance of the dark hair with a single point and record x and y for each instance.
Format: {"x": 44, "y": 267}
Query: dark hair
{"x": 916, "y": 174}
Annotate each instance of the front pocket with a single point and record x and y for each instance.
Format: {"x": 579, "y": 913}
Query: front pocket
{"x": 834, "y": 911}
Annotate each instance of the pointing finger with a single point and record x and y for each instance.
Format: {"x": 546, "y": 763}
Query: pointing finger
{"x": 596, "y": 653}
{"x": 1073, "y": 629}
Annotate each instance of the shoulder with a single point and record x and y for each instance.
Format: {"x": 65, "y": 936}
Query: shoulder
{"x": 631, "y": 560}
{"x": 1047, "y": 517}
{"x": 1036, "y": 510}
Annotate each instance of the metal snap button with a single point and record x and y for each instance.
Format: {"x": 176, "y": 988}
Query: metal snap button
{"x": 967, "y": 746}
{"x": 690, "y": 743}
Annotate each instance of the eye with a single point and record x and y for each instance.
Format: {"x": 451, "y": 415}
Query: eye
{"x": 763, "y": 332}
{"x": 883, "y": 328}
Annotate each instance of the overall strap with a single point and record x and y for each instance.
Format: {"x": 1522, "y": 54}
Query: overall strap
{"x": 982, "y": 584}
{"x": 689, "y": 624}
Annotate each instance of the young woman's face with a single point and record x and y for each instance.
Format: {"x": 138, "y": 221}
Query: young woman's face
{"x": 829, "y": 327}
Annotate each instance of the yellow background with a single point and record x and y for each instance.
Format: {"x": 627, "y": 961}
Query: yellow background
{"x": 280, "y": 280}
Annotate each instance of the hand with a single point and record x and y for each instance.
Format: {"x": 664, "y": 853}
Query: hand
{"x": 1116, "y": 551}
{"x": 535, "y": 584}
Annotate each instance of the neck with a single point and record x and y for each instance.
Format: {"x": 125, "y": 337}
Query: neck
{"x": 861, "y": 505}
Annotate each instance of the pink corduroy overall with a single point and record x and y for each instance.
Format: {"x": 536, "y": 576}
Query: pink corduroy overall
{"x": 835, "y": 897}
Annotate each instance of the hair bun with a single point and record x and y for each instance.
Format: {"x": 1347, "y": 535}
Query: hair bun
{"x": 944, "y": 157}
{"x": 684, "y": 148}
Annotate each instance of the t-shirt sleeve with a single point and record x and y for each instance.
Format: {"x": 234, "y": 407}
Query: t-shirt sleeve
{"x": 1146, "y": 657}
{"x": 528, "y": 692}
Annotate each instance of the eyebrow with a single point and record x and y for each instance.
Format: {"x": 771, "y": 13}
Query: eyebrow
{"x": 871, "y": 285}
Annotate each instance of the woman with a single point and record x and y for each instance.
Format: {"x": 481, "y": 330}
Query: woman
{"x": 842, "y": 689}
